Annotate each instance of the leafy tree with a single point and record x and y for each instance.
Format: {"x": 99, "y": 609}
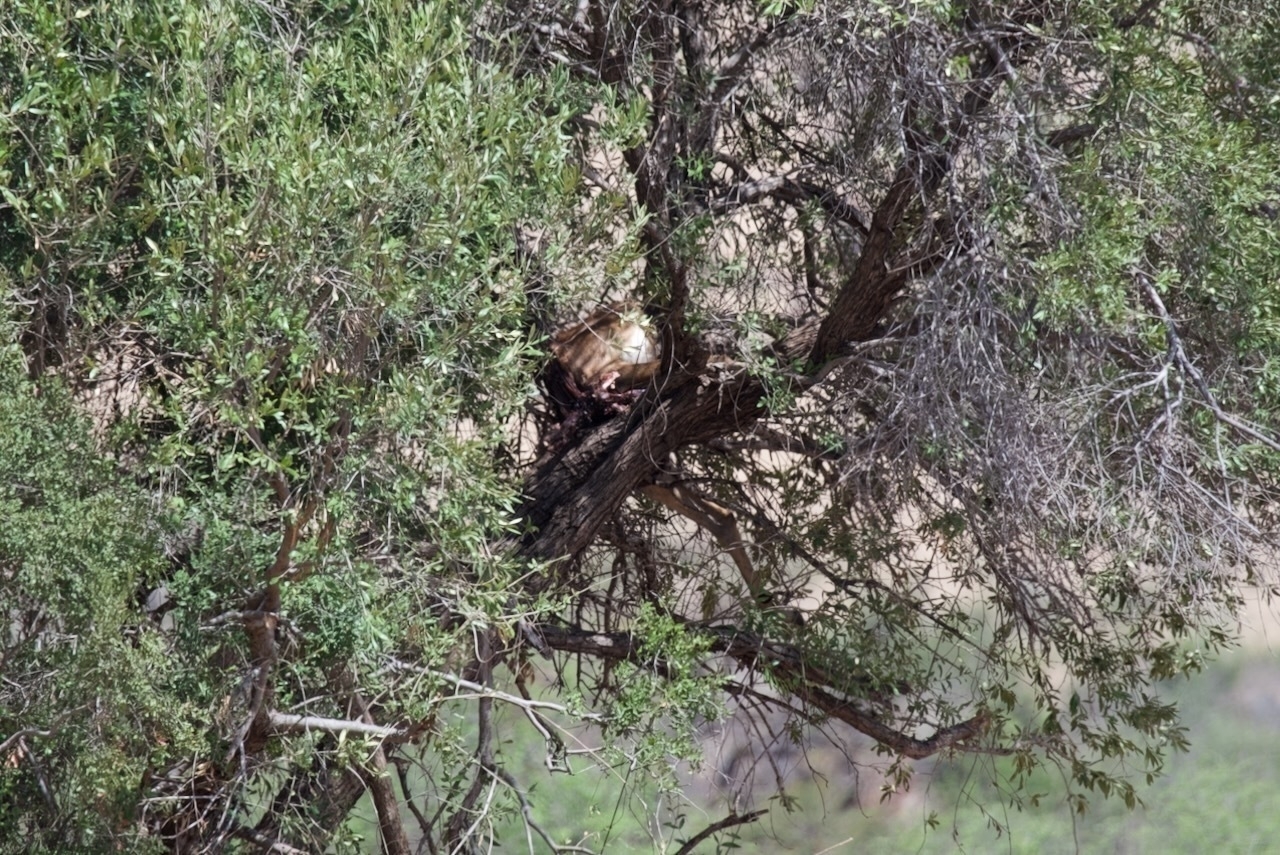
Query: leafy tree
{"x": 942, "y": 412}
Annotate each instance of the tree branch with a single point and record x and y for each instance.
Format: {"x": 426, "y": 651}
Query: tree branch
{"x": 466, "y": 817}
{"x": 716, "y": 519}
{"x": 267, "y": 843}
{"x": 19, "y": 735}
{"x": 287, "y": 723}
{"x": 1180, "y": 356}
{"x": 729, "y": 821}
{"x": 571, "y": 498}
{"x": 788, "y": 668}
{"x": 385, "y": 803}
{"x": 793, "y": 192}
{"x": 868, "y": 292}
{"x": 487, "y": 692}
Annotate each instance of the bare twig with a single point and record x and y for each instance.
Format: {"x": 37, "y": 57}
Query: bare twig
{"x": 467, "y": 816}
{"x": 1179, "y": 353}
{"x": 526, "y": 813}
{"x": 477, "y": 690}
{"x": 18, "y": 736}
{"x": 288, "y": 723}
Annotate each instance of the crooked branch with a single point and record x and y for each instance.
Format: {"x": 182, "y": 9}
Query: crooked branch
{"x": 733, "y": 819}
{"x": 478, "y": 690}
{"x": 789, "y": 669}
{"x": 288, "y": 723}
{"x": 1179, "y": 354}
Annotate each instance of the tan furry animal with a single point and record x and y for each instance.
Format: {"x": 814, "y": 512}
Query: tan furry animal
{"x": 614, "y": 347}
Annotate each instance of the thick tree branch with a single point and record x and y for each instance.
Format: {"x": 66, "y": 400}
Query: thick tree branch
{"x": 573, "y": 496}
{"x": 385, "y": 802}
{"x": 870, "y": 290}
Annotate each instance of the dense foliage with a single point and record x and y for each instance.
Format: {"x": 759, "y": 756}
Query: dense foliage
{"x": 959, "y": 433}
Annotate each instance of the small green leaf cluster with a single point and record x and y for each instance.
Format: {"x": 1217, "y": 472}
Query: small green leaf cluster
{"x": 662, "y": 700}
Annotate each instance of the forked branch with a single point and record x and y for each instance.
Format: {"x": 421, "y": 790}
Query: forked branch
{"x": 1179, "y": 355}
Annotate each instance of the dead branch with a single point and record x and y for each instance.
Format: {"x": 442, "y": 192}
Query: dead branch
{"x": 478, "y": 690}
{"x": 1179, "y": 353}
{"x": 288, "y": 723}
